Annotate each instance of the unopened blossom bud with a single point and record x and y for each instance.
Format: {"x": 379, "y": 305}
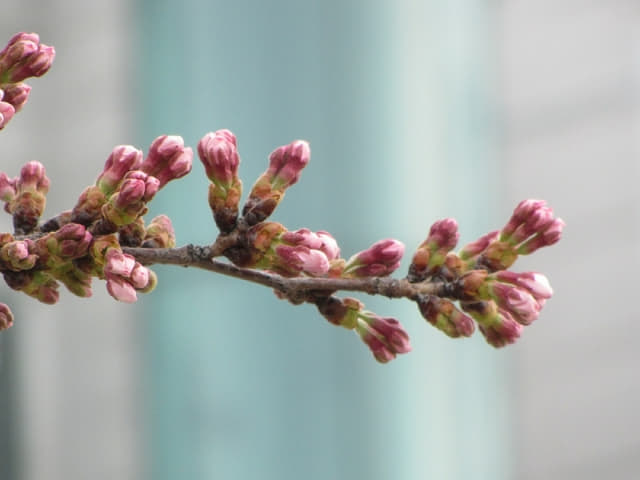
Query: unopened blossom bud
{"x": 496, "y": 324}
{"x": 384, "y": 336}
{"x": 35, "y": 283}
{"x": 88, "y": 208}
{"x": 168, "y": 159}
{"x": 342, "y": 312}
{"x": 18, "y": 50}
{"x": 522, "y": 306}
{"x": 7, "y": 111}
{"x": 160, "y": 233}
{"x": 550, "y": 235}
{"x": 71, "y": 241}
{"x": 478, "y": 246}
{"x": 6, "y": 317}
{"x": 24, "y": 57}
{"x": 129, "y": 201}
{"x": 17, "y": 255}
{"x": 17, "y": 95}
{"x": 219, "y": 155}
{"x": 75, "y": 279}
{"x": 523, "y": 211}
{"x": 321, "y": 240}
{"x": 8, "y": 188}
{"x": 124, "y": 276}
{"x": 31, "y": 188}
{"x": 444, "y": 315}
{"x": 291, "y": 261}
{"x": 285, "y": 166}
{"x": 431, "y": 254}
{"x": 122, "y": 159}
{"x": 535, "y": 283}
{"x": 33, "y": 178}
{"x": 380, "y": 259}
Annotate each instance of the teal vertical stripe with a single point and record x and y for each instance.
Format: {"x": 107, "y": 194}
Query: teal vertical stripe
{"x": 242, "y": 385}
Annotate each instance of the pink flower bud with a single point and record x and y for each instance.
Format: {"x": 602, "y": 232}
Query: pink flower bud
{"x": 118, "y": 263}
{"x": 519, "y": 303}
{"x": 33, "y": 178}
{"x": 444, "y": 315}
{"x": 17, "y": 95}
{"x": 122, "y": 159}
{"x": 125, "y": 276}
{"x": 8, "y": 187}
{"x": 286, "y": 163}
{"x": 381, "y": 259}
{"x": 121, "y": 290}
{"x": 329, "y": 245}
{"x": 20, "y": 47}
{"x": 549, "y": 236}
{"x": 478, "y": 246}
{"x": 6, "y": 113}
{"x": 520, "y": 214}
{"x": 503, "y": 332}
{"x": 23, "y": 57}
{"x": 534, "y": 283}
{"x": 431, "y": 254}
{"x": 168, "y": 159}
{"x": 384, "y": 336}
{"x": 18, "y": 255}
{"x": 322, "y": 241}
{"x": 300, "y": 259}
{"x": 73, "y": 241}
{"x": 6, "y": 317}
{"x": 160, "y": 233}
{"x": 219, "y": 155}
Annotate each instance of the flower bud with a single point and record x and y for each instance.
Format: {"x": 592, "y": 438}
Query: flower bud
{"x": 384, "y": 336}
{"x": 72, "y": 241}
{"x": 129, "y": 201}
{"x": 219, "y": 155}
{"x": 379, "y": 260}
{"x": 122, "y": 159}
{"x": 17, "y": 95}
{"x": 160, "y": 233}
{"x": 431, "y": 253}
{"x": 342, "y": 312}
{"x": 124, "y": 276}
{"x": 285, "y": 166}
{"x": 24, "y": 57}
{"x": 7, "y": 111}
{"x": 444, "y": 315}
{"x": 6, "y": 317}
{"x": 31, "y": 187}
{"x": 17, "y": 255}
{"x": 8, "y": 188}
{"x": 168, "y": 159}
{"x": 496, "y": 324}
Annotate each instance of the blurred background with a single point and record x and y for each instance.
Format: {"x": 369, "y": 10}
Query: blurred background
{"x": 415, "y": 110}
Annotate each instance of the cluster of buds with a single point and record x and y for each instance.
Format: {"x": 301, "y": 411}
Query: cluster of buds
{"x": 90, "y": 240}
{"x": 499, "y": 300}
{"x": 384, "y": 336}
{"x": 23, "y": 57}
{"x": 85, "y": 242}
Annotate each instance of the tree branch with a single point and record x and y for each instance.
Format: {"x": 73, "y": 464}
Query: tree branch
{"x": 294, "y": 287}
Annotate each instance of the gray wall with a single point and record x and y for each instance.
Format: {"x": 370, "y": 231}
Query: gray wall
{"x": 71, "y": 392}
{"x": 570, "y": 83}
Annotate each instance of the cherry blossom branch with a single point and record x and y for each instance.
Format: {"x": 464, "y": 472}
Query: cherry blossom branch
{"x": 105, "y": 235}
{"x": 295, "y": 287}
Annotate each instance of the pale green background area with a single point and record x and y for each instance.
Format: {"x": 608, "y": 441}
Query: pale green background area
{"x": 395, "y": 99}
